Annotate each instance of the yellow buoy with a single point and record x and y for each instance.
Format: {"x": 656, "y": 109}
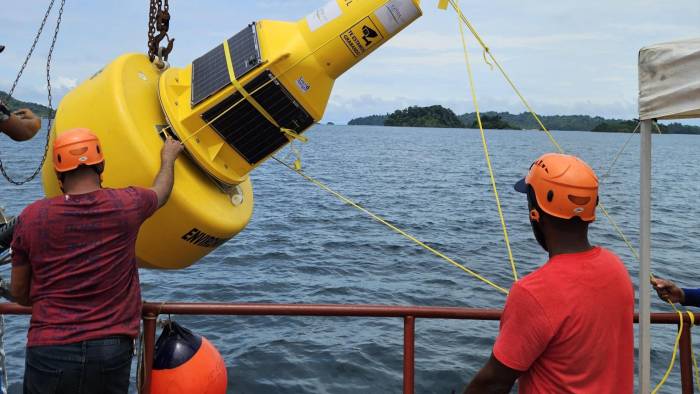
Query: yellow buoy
{"x": 232, "y": 108}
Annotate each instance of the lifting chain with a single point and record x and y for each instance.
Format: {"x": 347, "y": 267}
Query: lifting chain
{"x": 159, "y": 20}
{"x": 3, "y": 169}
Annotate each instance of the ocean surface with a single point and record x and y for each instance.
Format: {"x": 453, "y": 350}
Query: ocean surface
{"x": 305, "y": 246}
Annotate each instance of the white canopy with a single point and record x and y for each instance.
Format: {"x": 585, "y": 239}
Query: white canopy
{"x": 669, "y": 80}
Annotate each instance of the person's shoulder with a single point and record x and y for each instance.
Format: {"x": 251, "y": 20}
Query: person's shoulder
{"x": 541, "y": 284}
{"x": 534, "y": 278}
{"x": 130, "y": 191}
{"x": 134, "y": 194}
{"x": 607, "y": 253}
{"x": 33, "y": 209}
{"x": 613, "y": 260}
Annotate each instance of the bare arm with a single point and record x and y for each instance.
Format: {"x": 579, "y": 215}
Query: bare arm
{"x": 20, "y": 284}
{"x": 494, "y": 378}
{"x": 163, "y": 184}
{"x": 22, "y": 125}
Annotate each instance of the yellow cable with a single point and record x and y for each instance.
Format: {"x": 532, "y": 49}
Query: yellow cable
{"x": 391, "y": 226}
{"x": 618, "y": 230}
{"x": 455, "y": 5}
{"x": 486, "y": 153}
{"x": 696, "y": 373}
{"x": 273, "y": 79}
{"x": 487, "y": 51}
{"x": 675, "y": 350}
{"x": 460, "y": 14}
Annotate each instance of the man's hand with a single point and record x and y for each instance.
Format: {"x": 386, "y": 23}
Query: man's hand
{"x": 668, "y": 291}
{"x": 171, "y": 150}
{"x": 163, "y": 184}
{"x": 31, "y": 121}
{"x": 22, "y": 125}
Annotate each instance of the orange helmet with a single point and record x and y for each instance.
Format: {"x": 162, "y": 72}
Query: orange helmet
{"x": 74, "y": 148}
{"x": 564, "y": 186}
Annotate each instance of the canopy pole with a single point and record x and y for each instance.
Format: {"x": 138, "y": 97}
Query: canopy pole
{"x": 645, "y": 258}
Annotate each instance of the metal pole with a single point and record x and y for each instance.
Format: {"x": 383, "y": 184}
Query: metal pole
{"x": 409, "y": 325}
{"x": 686, "y": 357}
{"x": 149, "y": 338}
{"x": 645, "y": 258}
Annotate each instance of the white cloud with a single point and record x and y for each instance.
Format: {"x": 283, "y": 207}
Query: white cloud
{"x": 65, "y": 83}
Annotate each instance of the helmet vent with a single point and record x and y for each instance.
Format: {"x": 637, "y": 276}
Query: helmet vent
{"x": 78, "y": 152}
{"x": 98, "y": 149}
{"x": 59, "y": 158}
{"x": 550, "y": 196}
{"x": 579, "y": 200}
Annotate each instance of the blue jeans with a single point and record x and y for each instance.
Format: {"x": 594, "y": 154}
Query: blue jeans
{"x": 89, "y": 367}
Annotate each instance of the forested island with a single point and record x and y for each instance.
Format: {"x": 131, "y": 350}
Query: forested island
{"x": 439, "y": 116}
{"x": 40, "y": 110}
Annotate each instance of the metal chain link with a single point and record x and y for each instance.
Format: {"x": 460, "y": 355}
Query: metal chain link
{"x": 159, "y": 19}
{"x": 31, "y": 49}
{"x": 49, "y": 95}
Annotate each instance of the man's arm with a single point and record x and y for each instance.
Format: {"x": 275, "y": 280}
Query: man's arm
{"x": 21, "y": 283}
{"x": 163, "y": 184}
{"x": 494, "y": 378}
{"x": 22, "y": 125}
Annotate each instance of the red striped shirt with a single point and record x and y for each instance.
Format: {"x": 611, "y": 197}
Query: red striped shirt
{"x": 81, "y": 248}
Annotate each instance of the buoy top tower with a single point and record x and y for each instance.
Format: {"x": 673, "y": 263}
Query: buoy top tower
{"x": 245, "y": 99}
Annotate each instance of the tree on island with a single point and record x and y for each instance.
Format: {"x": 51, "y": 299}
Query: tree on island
{"x": 40, "y": 110}
{"x": 493, "y": 123}
{"x": 433, "y": 116}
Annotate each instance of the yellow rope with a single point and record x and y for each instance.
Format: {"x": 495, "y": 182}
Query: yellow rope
{"x": 696, "y": 373}
{"x": 487, "y": 51}
{"x": 486, "y": 152}
{"x": 272, "y": 80}
{"x": 290, "y": 134}
{"x": 391, "y": 226}
{"x": 619, "y": 153}
{"x": 618, "y": 230}
{"x": 675, "y": 350}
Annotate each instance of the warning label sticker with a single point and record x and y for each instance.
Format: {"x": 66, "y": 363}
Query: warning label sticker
{"x": 323, "y": 15}
{"x": 397, "y": 14}
{"x": 362, "y": 37}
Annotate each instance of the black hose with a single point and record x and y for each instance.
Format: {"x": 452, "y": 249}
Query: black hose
{"x": 6, "y": 231}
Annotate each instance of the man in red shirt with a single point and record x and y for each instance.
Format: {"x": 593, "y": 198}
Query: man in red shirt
{"x": 566, "y": 327}
{"x": 74, "y": 262}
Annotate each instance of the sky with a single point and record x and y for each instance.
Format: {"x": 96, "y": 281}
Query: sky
{"x": 567, "y": 56}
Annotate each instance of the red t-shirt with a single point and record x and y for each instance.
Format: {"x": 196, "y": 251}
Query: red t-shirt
{"x": 81, "y": 248}
{"x": 569, "y": 326}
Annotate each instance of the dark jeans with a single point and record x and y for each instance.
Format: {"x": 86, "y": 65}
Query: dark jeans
{"x": 90, "y": 367}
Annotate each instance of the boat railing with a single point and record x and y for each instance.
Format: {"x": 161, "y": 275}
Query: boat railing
{"x": 409, "y": 315}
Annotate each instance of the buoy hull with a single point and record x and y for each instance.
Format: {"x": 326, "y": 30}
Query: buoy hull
{"x": 120, "y": 104}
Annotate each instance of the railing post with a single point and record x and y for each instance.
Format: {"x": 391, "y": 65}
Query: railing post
{"x": 409, "y": 325}
{"x": 686, "y": 356}
{"x": 149, "y": 339}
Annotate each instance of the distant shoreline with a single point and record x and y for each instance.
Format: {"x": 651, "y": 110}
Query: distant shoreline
{"x": 440, "y": 117}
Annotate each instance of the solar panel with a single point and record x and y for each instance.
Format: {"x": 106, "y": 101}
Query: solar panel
{"x": 249, "y": 132}
{"x": 245, "y": 51}
{"x": 209, "y": 75}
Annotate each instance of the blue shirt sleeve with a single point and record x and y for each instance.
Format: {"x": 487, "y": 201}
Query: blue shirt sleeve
{"x": 692, "y": 297}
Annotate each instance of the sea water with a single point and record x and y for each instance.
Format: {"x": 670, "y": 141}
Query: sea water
{"x": 305, "y": 246}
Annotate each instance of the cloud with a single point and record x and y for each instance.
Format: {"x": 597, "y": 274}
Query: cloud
{"x": 65, "y": 83}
